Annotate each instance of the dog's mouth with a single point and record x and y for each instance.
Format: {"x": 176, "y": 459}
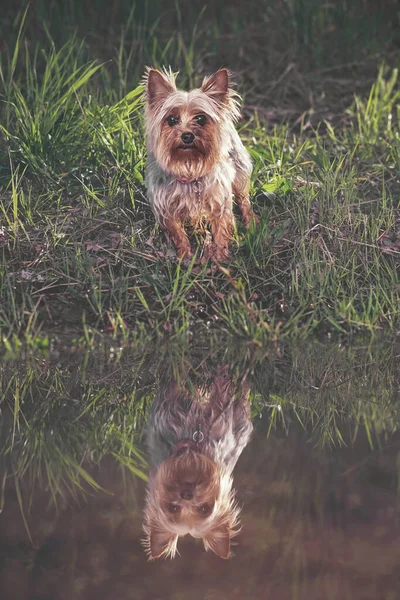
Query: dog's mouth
{"x": 187, "y": 147}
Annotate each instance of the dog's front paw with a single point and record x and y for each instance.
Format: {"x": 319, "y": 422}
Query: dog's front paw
{"x": 216, "y": 253}
{"x": 184, "y": 253}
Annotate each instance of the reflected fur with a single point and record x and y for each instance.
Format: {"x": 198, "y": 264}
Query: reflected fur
{"x": 196, "y": 480}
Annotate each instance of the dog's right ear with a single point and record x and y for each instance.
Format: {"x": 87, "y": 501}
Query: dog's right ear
{"x": 158, "y": 85}
{"x": 161, "y": 543}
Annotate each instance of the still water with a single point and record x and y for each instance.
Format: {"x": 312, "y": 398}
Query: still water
{"x": 240, "y": 472}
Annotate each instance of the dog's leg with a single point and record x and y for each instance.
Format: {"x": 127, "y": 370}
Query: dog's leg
{"x": 179, "y": 237}
{"x": 221, "y": 390}
{"x": 222, "y": 228}
{"x": 248, "y": 215}
{"x": 240, "y": 189}
{"x": 241, "y": 186}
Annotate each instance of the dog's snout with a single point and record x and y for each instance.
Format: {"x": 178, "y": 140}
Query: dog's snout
{"x": 186, "y": 494}
{"x": 187, "y": 137}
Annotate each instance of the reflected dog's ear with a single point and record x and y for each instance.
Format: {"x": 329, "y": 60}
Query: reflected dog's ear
{"x": 160, "y": 543}
{"x": 219, "y": 540}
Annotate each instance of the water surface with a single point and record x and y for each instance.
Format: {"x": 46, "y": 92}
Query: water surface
{"x": 317, "y": 482}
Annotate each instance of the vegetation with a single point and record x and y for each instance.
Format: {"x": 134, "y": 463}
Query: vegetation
{"x": 96, "y": 312}
{"x": 79, "y": 247}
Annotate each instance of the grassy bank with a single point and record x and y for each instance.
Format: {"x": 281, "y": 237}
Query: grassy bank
{"x": 79, "y": 248}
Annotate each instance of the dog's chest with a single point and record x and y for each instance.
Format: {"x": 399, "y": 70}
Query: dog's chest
{"x": 202, "y": 200}
{"x": 199, "y": 207}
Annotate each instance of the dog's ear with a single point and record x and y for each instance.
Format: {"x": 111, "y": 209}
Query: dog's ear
{"x": 219, "y": 540}
{"x": 158, "y": 85}
{"x": 161, "y": 543}
{"x": 217, "y": 86}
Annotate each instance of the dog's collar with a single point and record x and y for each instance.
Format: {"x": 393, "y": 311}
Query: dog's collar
{"x": 193, "y": 444}
{"x": 185, "y": 180}
{"x": 196, "y": 184}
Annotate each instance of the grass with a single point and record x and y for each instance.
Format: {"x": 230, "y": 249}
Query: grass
{"x": 96, "y": 312}
{"x": 79, "y": 248}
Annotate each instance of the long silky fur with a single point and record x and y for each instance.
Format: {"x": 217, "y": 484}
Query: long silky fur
{"x": 224, "y": 416}
{"x": 224, "y": 170}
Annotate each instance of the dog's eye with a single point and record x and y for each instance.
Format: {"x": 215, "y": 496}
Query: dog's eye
{"x": 204, "y": 509}
{"x": 200, "y": 119}
{"x": 173, "y": 508}
{"x": 172, "y": 120}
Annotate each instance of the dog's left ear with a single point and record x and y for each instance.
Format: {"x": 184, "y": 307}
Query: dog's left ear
{"x": 219, "y": 541}
{"x": 217, "y": 86}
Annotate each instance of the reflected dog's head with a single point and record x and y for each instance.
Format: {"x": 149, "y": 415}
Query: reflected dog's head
{"x": 195, "y": 443}
{"x": 190, "y": 493}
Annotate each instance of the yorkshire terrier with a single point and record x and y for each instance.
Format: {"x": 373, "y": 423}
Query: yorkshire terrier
{"x": 195, "y": 439}
{"x": 196, "y": 160}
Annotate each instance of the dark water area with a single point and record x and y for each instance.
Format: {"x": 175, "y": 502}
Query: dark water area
{"x": 309, "y": 433}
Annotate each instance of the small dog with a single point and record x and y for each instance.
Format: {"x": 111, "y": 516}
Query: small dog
{"x": 196, "y": 160}
{"x": 195, "y": 439}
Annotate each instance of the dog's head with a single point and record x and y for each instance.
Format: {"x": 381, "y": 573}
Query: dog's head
{"x": 186, "y": 130}
{"x": 189, "y": 493}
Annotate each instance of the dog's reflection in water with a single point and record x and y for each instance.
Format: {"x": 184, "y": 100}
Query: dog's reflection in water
{"x": 195, "y": 439}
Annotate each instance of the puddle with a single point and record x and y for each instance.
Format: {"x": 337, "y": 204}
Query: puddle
{"x": 111, "y": 455}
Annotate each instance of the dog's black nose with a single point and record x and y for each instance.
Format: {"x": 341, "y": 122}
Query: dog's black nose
{"x": 187, "y": 137}
{"x": 186, "y": 495}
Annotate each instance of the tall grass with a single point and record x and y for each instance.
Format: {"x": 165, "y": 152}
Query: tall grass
{"x": 78, "y": 242}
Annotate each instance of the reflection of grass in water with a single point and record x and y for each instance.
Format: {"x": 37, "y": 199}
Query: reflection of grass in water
{"x": 62, "y": 414}
{"x": 57, "y": 421}
{"x": 52, "y": 434}
{"x": 335, "y": 391}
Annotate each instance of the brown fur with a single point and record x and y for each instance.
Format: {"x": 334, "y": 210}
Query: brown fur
{"x": 194, "y": 183}
{"x": 190, "y": 487}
